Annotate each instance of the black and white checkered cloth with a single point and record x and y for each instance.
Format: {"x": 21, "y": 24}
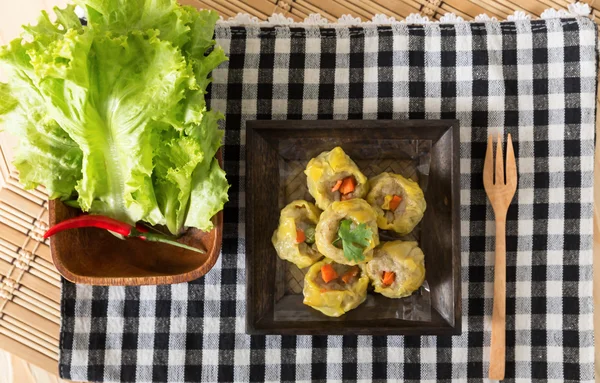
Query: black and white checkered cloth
{"x": 534, "y": 79}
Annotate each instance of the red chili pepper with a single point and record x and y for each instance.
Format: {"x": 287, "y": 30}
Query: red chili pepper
{"x": 98, "y": 221}
{"x": 125, "y": 229}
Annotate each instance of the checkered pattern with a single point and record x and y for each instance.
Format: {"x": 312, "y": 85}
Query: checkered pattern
{"x": 533, "y": 79}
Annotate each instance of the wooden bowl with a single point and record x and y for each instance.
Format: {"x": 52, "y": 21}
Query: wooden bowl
{"x": 426, "y": 151}
{"x": 96, "y": 257}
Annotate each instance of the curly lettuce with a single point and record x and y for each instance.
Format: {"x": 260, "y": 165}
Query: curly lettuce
{"x": 113, "y": 114}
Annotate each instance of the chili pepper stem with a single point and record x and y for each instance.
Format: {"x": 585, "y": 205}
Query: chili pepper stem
{"x": 157, "y": 238}
{"x": 152, "y": 237}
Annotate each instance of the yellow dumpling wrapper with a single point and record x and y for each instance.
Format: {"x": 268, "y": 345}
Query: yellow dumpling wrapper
{"x": 284, "y": 237}
{"x": 333, "y": 303}
{"x": 357, "y": 210}
{"x": 328, "y": 167}
{"x": 406, "y": 260}
{"x": 411, "y": 209}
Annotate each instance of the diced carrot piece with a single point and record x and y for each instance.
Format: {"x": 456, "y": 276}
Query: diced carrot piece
{"x": 300, "y": 236}
{"x": 353, "y": 272}
{"x": 388, "y": 277}
{"x": 348, "y": 185}
{"x": 337, "y": 185}
{"x": 395, "y": 202}
{"x": 328, "y": 273}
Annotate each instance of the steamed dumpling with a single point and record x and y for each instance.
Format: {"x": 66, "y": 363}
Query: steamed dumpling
{"x": 397, "y": 269}
{"x": 333, "y": 176}
{"x": 357, "y": 211}
{"x": 398, "y": 201}
{"x": 339, "y": 295}
{"x": 294, "y": 237}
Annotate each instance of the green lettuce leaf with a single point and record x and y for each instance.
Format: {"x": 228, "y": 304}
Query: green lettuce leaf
{"x": 114, "y": 114}
{"x": 7, "y": 101}
{"x": 209, "y": 185}
{"x": 194, "y": 105}
{"x": 123, "y": 16}
{"x": 109, "y": 114}
{"x": 46, "y": 154}
{"x": 202, "y": 27}
{"x": 175, "y": 163}
{"x": 209, "y": 194}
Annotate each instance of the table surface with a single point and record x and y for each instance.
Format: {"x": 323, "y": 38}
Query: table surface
{"x": 30, "y": 367}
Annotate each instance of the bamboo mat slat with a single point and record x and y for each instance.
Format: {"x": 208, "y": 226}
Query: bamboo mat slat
{"x": 8, "y": 209}
{"x": 30, "y": 285}
{"x": 356, "y": 10}
{"x": 52, "y": 279}
{"x": 445, "y": 8}
{"x": 32, "y": 338}
{"x": 5, "y": 266}
{"x": 23, "y": 339}
{"x": 24, "y": 352}
{"x": 334, "y": 8}
{"x": 41, "y": 287}
{"x": 34, "y": 195}
{"x": 309, "y": 8}
{"x": 222, "y": 9}
{"x": 27, "y": 206}
{"x": 228, "y": 7}
{"x": 51, "y": 338}
{"x": 42, "y": 323}
{"x": 403, "y": 9}
{"x": 468, "y": 8}
{"x": 264, "y": 7}
{"x": 244, "y": 8}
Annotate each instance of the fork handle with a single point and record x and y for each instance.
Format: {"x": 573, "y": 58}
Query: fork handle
{"x": 498, "y": 343}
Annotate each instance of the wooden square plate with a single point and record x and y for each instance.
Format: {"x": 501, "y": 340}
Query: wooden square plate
{"x": 426, "y": 151}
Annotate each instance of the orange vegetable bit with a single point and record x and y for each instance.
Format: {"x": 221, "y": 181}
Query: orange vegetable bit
{"x": 337, "y": 185}
{"x": 395, "y": 202}
{"x": 348, "y": 185}
{"x": 353, "y": 272}
{"x": 388, "y": 277}
{"x": 328, "y": 273}
{"x": 300, "y": 236}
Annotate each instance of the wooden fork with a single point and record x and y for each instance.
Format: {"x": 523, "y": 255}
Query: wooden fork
{"x": 500, "y": 193}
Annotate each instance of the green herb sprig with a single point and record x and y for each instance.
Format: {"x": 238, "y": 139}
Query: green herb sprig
{"x": 354, "y": 240}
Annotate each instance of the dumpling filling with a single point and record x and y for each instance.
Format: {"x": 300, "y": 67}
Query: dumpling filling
{"x": 344, "y": 188}
{"x": 334, "y": 276}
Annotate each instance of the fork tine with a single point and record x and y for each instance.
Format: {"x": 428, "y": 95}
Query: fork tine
{"x": 511, "y": 164}
{"x": 488, "y": 165}
{"x": 499, "y": 176}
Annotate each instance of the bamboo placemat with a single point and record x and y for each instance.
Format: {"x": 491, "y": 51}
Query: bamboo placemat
{"x": 400, "y": 9}
{"x": 30, "y": 285}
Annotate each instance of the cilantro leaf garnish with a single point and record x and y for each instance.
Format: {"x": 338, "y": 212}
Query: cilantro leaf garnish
{"x": 354, "y": 240}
